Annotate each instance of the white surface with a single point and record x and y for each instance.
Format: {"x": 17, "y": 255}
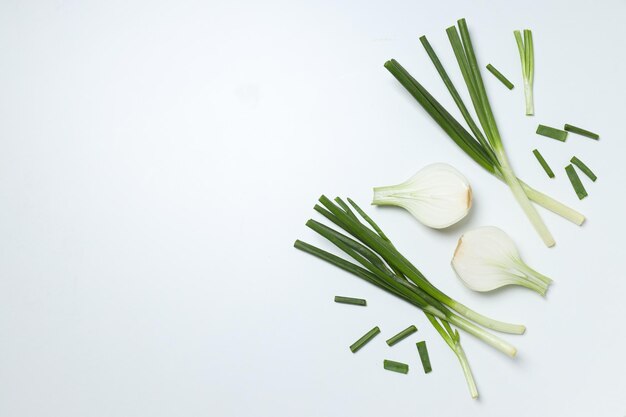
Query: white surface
{"x": 158, "y": 159}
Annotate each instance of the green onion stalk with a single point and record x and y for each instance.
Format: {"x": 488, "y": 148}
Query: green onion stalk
{"x": 483, "y": 145}
{"x": 380, "y": 263}
{"x": 527, "y": 56}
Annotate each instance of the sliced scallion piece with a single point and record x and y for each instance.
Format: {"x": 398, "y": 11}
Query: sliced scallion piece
{"x": 402, "y": 335}
{"x": 500, "y": 76}
{"x": 551, "y": 132}
{"x": 527, "y": 56}
{"x": 543, "y": 163}
{"x": 394, "y": 366}
{"x": 364, "y": 339}
{"x": 423, "y": 351}
{"x": 350, "y": 300}
{"x": 582, "y": 132}
{"x": 584, "y": 168}
{"x": 575, "y": 180}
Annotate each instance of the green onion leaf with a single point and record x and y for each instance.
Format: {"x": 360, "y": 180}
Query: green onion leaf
{"x": 582, "y": 132}
{"x": 551, "y": 132}
{"x": 402, "y": 335}
{"x": 394, "y": 366}
{"x": 364, "y": 339}
{"x": 584, "y": 168}
{"x": 423, "y": 351}
{"x": 349, "y": 300}
{"x": 575, "y": 180}
{"x": 500, "y": 76}
{"x": 543, "y": 163}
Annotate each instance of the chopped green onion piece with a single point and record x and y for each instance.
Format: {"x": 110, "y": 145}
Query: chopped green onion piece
{"x": 584, "y": 168}
{"x": 527, "y": 56}
{"x": 363, "y": 340}
{"x": 500, "y": 76}
{"x": 543, "y": 163}
{"x": 551, "y": 132}
{"x": 582, "y": 132}
{"x": 575, "y": 180}
{"x": 394, "y": 366}
{"x": 423, "y": 351}
{"x": 349, "y": 300}
{"x": 402, "y": 335}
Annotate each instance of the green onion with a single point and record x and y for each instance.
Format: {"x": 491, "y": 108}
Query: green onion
{"x": 500, "y": 76}
{"x": 349, "y": 300}
{"x": 380, "y": 263}
{"x": 475, "y": 146}
{"x": 543, "y": 163}
{"x": 364, "y": 339}
{"x": 423, "y": 351}
{"x": 486, "y": 146}
{"x": 575, "y": 180}
{"x": 394, "y": 366}
{"x": 582, "y": 132}
{"x": 402, "y": 335}
{"x": 551, "y": 132}
{"x": 584, "y": 168}
{"x": 527, "y": 56}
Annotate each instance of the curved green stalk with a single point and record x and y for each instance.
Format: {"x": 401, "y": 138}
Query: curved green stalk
{"x": 453, "y": 340}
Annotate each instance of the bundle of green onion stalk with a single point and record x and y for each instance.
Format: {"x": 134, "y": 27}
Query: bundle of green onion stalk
{"x": 484, "y": 146}
{"x": 380, "y": 263}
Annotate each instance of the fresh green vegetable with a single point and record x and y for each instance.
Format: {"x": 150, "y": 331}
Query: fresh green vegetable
{"x": 500, "y": 76}
{"x": 350, "y": 300}
{"x": 402, "y": 335}
{"x": 575, "y": 180}
{"x": 551, "y": 132}
{"x": 486, "y": 258}
{"x": 383, "y": 265}
{"x": 394, "y": 366}
{"x": 582, "y": 132}
{"x": 527, "y": 56}
{"x": 584, "y": 168}
{"x": 438, "y": 196}
{"x": 364, "y": 339}
{"x": 423, "y": 351}
{"x": 485, "y": 148}
{"x": 543, "y": 163}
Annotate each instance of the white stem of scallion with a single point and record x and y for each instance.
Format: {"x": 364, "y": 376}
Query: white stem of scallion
{"x": 521, "y": 197}
{"x": 469, "y": 377}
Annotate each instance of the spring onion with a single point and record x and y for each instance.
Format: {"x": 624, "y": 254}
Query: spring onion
{"x": 380, "y": 263}
{"x": 402, "y": 335}
{"x": 424, "y": 358}
{"x": 551, "y": 132}
{"x": 527, "y": 56}
{"x": 543, "y": 163}
{"x": 485, "y": 148}
{"x": 350, "y": 300}
{"x": 438, "y": 196}
{"x": 575, "y": 180}
{"x": 487, "y": 258}
{"x": 582, "y": 132}
{"x": 364, "y": 339}
{"x": 500, "y": 76}
{"x": 394, "y": 366}
{"x": 584, "y": 168}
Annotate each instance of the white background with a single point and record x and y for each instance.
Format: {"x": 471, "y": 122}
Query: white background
{"x": 158, "y": 159}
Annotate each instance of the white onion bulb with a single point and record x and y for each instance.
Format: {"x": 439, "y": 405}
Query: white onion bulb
{"x": 438, "y": 196}
{"x": 487, "y": 258}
